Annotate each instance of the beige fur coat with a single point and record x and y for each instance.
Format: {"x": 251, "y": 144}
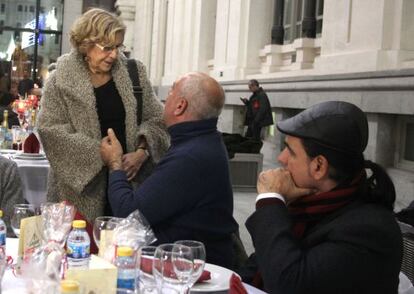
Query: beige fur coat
{"x": 70, "y": 132}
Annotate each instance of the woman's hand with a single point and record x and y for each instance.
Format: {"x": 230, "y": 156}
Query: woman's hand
{"x": 132, "y": 162}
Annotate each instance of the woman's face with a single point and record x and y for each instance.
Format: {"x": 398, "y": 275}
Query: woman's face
{"x": 101, "y": 57}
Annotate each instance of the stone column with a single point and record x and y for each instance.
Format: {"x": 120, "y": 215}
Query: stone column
{"x": 309, "y": 20}
{"x": 72, "y": 10}
{"x": 189, "y": 37}
{"x": 142, "y": 32}
{"x": 159, "y": 29}
{"x": 243, "y": 28}
{"x": 278, "y": 31}
{"x": 126, "y": 9}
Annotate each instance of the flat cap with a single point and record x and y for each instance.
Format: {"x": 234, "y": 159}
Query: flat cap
{"x": 337, "y": 125}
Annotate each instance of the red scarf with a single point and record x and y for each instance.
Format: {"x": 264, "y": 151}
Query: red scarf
{"x": 310, "y": 209}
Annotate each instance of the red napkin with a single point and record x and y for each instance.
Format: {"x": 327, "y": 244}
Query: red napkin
{"x": 31, "y": 144}
{"x": 146, "y": 266}
{"x": 236, "y": 285}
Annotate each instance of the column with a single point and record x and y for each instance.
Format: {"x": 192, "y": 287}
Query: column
{"x": 309, "y": 20}
{"x": 189, "y": 37}
{"x": 159, "y": 29}
{"x": 126, "y": 9}
{"x": 243, "y": 28}
{"x": 277, "y": 29}
{"x": 72, "y": 10}
{"x": 142, "y": 31}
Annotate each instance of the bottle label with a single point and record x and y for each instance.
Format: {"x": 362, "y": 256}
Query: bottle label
{"x": 2, "y": 239}
{"x": 78, "y": 251}
{"x": 125, "y": 283}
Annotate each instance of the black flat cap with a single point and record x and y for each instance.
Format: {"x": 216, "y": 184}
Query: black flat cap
{"x": 338, "y": 125}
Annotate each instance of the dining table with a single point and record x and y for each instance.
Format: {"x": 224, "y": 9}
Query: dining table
{"x": 34, "y": 172}
{"x": 13, "y": 284}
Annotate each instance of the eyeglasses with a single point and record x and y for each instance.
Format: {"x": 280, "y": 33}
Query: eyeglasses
{"x": 109, "y": 49}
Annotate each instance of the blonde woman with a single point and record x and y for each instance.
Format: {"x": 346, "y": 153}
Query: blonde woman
{"x": 88, "y": 92}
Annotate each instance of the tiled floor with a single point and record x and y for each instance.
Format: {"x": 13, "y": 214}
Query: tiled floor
{"x": 244, "y": 202}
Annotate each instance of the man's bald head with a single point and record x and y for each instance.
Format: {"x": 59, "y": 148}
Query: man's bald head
{"x": 204, "y": 94}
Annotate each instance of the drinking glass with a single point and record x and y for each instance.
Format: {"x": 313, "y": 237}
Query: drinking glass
{"x": 103, "y": 223}
{"x": 2, "y": 136}
{"x": 172, "y": 267}
{"x": 146, "y": 277}
{"x": 20, "y": 212}
{"x": 199, "y": 254}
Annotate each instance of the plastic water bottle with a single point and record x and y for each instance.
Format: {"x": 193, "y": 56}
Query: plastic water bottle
{"x": 125, "y": 262}
{"x": 78, "y": 246}
{"x": 3, "y": 232}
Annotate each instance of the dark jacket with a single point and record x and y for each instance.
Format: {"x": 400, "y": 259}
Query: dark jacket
{"x": 13, "y": 120}
{"x": 189, "y": 195}
{"x": 258, "y": 112}
{"x": 357, "y": 249}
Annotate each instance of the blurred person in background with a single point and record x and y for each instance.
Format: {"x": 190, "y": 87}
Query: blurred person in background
{"x": 258, "y": 111}
{"x": 6, "y": 102}
{"x": 89, "y": 92}
{"x": 11, "y": 192}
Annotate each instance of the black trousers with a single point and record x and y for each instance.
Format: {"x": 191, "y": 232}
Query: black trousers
{"x": 253, "y": 131}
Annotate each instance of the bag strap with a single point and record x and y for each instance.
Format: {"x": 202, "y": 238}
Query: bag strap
{"x": 136, "y": 88}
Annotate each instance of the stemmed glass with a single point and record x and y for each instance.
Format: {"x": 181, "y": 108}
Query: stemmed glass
{"x": 103, "y": 223}
{"x": 2, "y": 136}
{"x": 172, "y": 267}
{"x": 146, "y": 277}
{"x": 20, "y": 212}
{"x": 199, "y": 255}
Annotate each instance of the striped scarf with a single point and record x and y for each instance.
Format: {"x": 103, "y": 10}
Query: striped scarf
{"x": 310, "y": 209}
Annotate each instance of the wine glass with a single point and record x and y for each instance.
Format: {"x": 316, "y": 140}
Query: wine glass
{"x": 103, "y": 223}
{"x": 199, "y": 254}
{"x": 20, "y": 212}
{"x": 172, "y": 267}
{"x": 2, "y": 136}
{"x": 146, "y": 277}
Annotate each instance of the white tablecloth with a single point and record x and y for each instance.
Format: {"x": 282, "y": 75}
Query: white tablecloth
{"x": 34, "y": 175}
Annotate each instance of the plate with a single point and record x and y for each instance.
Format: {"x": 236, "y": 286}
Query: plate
{"x": 8, "y": 151}
{"x": 30, "y": 156}
{"x": 220, "y": 279}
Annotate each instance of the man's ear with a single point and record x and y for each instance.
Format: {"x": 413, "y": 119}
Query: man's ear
{"x": 181, "y": 107}
{"x": 319, "y": 167}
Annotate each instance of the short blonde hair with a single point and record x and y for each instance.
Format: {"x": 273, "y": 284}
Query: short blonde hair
{"x": 95, "y": 26}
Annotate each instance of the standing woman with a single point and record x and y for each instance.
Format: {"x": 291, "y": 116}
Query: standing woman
{"x": 89, "y": 92}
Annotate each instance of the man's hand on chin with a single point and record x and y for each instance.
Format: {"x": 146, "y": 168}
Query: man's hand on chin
{"x": 111, "y": 151}
{"x": 280, "y": 181}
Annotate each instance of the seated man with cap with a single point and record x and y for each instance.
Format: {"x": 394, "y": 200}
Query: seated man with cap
{"x": 324, "y": 223}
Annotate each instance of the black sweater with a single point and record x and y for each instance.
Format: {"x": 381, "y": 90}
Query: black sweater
{"x": 189, "y": 195}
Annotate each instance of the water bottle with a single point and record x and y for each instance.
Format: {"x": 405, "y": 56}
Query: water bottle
{"x": 125, "y": 262}
{"x": 3, "y": 232}
{"x": 78, "y": 246}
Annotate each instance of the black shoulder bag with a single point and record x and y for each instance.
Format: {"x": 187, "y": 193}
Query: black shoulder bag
{"x": 133, "y": 75}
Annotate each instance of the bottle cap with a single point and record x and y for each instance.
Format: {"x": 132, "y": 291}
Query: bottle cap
{"x": 1, "y": 213}
{"x": 69, "y": 286}
{"x": 79, "y": 224}
{"x": 124, "y": 251}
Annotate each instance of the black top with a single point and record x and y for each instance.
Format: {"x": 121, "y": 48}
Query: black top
{"x": 111, "y": 111}
{"x": 195, "y": 199}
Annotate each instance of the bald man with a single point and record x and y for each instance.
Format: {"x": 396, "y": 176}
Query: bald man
{"x": 189, "y": 195}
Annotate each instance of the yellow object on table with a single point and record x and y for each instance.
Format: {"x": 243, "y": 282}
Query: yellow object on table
{"x": 99, "y": 278}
